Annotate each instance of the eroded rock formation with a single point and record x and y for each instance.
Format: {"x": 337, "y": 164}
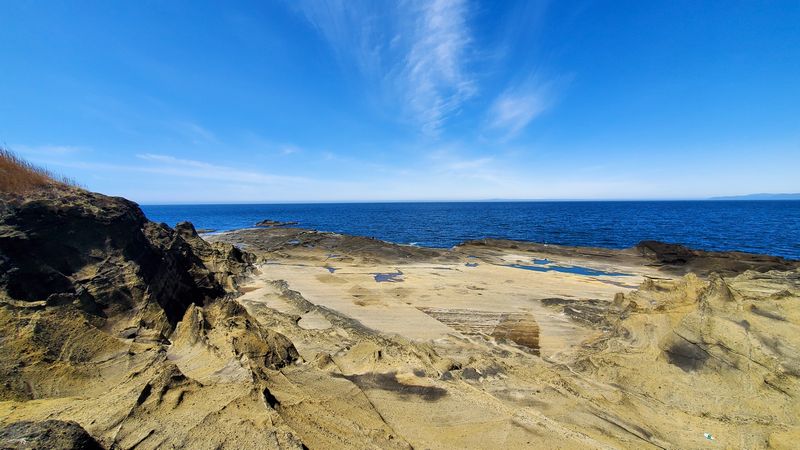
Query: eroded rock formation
{"x": 719, "y": 353}
{"x": 130, "y": 323}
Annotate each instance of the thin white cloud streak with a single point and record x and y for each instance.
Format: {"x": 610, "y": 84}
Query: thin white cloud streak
{"x": 436, "y": 79}
{"x": 450, "y": 163}
{"x": 516, "y": 107}
{"x": 196, "y": 133}
{"x": 415, "y": 51}
{"x": 186, "y": 168}
{"x": 170, "y": 165}
{"x": 470, "y": 164}
{"x": 350, "y": 28}
{"x": 289, "y": 150}
{"x": 255, "y": 143}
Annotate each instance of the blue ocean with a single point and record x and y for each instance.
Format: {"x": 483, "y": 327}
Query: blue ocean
{"x": 769, "y": 227}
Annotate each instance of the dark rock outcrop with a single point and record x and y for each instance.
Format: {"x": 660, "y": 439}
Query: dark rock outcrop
{"x": 276, "y": 241}
{"x": 228, "y": 264}
{"x": 97, "y": 251}
{"x": 274, "y": 223}
{"x": 47, "y": 434}
{"x": 673, "y": 258}
{"x": 681, "y": 258}
{"x": 83, "y": 274}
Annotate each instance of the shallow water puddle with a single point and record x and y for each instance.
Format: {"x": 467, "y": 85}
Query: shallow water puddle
{"x": 471, "y": 264}
{"x": 391, "y": 277}
{"x": 577, "y": 270}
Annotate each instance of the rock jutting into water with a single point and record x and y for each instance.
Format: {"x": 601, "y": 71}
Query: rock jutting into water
{"x": 274, "y": 223}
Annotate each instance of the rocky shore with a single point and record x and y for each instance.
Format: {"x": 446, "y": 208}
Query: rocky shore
{"x": 118, "y": 332}
{"x": 127, "y": 328}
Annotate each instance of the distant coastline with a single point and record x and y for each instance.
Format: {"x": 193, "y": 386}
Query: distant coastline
{"x": 759, "y": 197}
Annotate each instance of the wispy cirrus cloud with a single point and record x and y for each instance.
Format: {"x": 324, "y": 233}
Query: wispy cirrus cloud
{"x": 415, "y": 51}
{"x": 469, "y": 164}
{"x": 290, "y": 149}
{"x": 195, "y": 133}
{"x": 455, "y": 163}
{"x": 517, "y": 106}
{"x": 174, "y": 167}
{"x": 435, "y": 75}
{"x": 353, "y": 29}
{"x": 170, "y": 165}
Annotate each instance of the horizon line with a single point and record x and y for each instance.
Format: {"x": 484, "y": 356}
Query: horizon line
{"x": 554, "y": 200}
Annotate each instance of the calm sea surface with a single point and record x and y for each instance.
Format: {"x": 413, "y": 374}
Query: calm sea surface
{"x": 771, "y": 227}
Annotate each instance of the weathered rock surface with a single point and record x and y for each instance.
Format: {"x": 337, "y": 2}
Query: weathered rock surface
{"x": 683, "y": 258}
{"x": 278, "y": 241}
{"x": 79, "y": 271}
{"x": 47, "y": 434}
{"x": 670, "y": 258}
{"x": 110, "y": 320}
{"x": 720, "y": 354}
{"x": 274, "y": 223}
{"x": 100, "y": 252}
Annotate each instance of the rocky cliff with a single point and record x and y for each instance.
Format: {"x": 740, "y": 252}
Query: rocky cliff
{"x": 91, "y": 295}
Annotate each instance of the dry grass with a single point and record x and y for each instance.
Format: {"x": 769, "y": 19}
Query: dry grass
{"x": 18, "y": 176}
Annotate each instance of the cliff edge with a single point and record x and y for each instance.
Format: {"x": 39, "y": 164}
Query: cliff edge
{"x": 119, "y": 317}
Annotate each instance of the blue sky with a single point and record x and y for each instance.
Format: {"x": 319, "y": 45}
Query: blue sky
{"x": 192, "y": 102}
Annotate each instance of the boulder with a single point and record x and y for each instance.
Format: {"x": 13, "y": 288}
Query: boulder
{"x": 47, "y": 434}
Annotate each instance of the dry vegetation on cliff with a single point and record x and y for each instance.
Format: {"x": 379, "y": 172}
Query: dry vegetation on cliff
{"x": 18, "y": 176}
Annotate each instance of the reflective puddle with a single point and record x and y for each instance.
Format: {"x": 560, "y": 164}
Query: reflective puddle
{"x": 540, "y": 266}
{"x": 391, "y": 277}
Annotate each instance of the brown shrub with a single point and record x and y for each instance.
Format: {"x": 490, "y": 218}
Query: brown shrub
{"x": 19, "y": 176}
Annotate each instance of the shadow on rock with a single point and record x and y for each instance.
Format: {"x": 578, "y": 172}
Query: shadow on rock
{"x": 389, "y": 382}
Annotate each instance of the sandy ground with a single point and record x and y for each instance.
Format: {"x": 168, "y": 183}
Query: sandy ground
{"x": 410, "y": 304}
{"x": 513, "y": 345}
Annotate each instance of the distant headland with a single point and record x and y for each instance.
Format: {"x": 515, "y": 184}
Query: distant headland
{"x": 760, "y": 197}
